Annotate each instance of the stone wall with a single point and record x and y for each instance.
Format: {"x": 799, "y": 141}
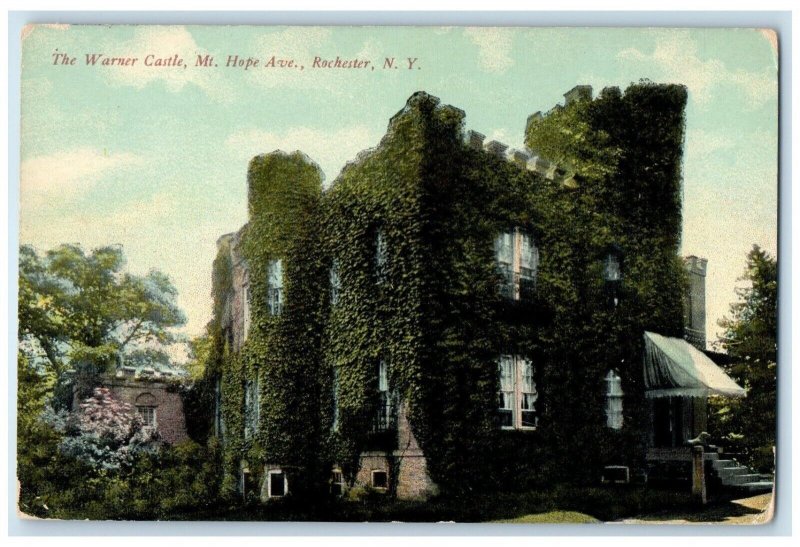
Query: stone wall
{"x": 413, "y": 480}
{"x": 170, "y": 419}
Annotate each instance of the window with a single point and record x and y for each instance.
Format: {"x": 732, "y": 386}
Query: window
{"x": 613, "y": 400}
{"x": 528, "y": 264}
{"x": 381, "y": 257}
{"x": 504, "y": 251}
{"x": 251, "y": 408}
{"x": 337, "y": 482}
{"x": 148, "y": 415}
{"x": 335, "y": 424}
{"x": 275, "y": 287}
{"x": 385, "y": 413}
{"x": 613, "y": 270}
{"x": 518, "y": 395}
{"x": 380, "y": 479}
{"x": 336, "y": 283}
{"x": 245, "y": 311}
{"x": 517, "y": 261}
{"x": 612, "y": 274}
{"x": 277, "y": 485}
{"x": 217, "y": 407}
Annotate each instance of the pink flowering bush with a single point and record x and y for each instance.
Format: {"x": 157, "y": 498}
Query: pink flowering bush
{"x": 106, "y": 433}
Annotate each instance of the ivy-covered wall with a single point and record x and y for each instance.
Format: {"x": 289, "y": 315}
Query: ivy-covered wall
{"x": 431, "y": 307}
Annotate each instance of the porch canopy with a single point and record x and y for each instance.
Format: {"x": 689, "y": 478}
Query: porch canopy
{"x": 675, "y": 368}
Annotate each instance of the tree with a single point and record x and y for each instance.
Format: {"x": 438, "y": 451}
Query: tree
{"x": 750, "y": 339}
{"x": 78, "y": 309}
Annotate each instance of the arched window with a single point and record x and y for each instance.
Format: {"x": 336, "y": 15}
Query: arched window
{"x": 613, "y": 400}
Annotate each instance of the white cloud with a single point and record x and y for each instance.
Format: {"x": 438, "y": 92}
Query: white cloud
{"x": 702, "y": 145}
{"x": 676, "y": 57}
{"x": 329, "y": 149}
{"x": 494, "y": 47}
{"x": 67, "y": 174}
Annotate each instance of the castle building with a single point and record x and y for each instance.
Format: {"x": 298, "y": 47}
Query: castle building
{"x": 454, "y": 316}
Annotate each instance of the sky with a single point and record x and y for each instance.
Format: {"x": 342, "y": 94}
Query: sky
{"x": 155, "y": 158}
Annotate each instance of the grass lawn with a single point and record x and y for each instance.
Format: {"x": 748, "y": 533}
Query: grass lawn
{"x": 551, "y": 517}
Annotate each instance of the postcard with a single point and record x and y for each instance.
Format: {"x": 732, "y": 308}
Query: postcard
{"x": 416, "y": 274}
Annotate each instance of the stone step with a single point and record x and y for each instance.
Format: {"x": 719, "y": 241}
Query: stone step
{"x": 731, "y": 471}
{"x": 757, "y": 486}
{"x": 724, "y": 463}
{"x": 740, "y": 479}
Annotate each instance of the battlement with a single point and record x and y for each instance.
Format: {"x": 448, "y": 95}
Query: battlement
{"x": 521, "y": 159}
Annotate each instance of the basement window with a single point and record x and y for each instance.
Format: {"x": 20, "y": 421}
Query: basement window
{"x": 278, "y": 485}
{"x": 380, "y": 479}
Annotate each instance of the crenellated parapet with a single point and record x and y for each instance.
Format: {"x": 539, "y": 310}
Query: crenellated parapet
{"x": 526, "y": 160}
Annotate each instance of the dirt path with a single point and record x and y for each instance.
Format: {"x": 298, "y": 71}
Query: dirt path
{"x": 752, "y": 510}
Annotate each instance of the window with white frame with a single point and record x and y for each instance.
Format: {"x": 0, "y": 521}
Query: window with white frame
{"x": 275, "y": 287}
{"x": 251, "y": 408}
{"x": 337, "y": 482}
{"x": 277, "y": 484}
{"x": 613, "y": 400}
{"x": 335, "y": 390}
{"x": 612, "y": 267}
{"x": 335, "y": 282}
{"x": 385, "y": 412}
{"x": 245, "y": 311}
{"x": 148, "y": 415}
{"x": 518, "y": 395}
{"x": 381, "y": 257}
{"x": 517, "y": 260}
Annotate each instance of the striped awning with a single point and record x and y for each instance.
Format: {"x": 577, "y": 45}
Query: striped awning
{"x": 675, "y": 368}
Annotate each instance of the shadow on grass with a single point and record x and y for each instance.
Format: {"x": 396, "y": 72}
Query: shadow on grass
{"x": 716, "y": 513}
{"x": 556, "y": 504}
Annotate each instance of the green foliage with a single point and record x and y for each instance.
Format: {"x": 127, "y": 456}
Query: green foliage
{"x": 80, "y": 312}
{"x": 750, "y": 339}
{"x": 281, "y": 353}
{"x": 433, "y": 310}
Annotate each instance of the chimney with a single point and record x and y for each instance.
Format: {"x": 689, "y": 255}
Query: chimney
{"x": 694, "y": 312}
